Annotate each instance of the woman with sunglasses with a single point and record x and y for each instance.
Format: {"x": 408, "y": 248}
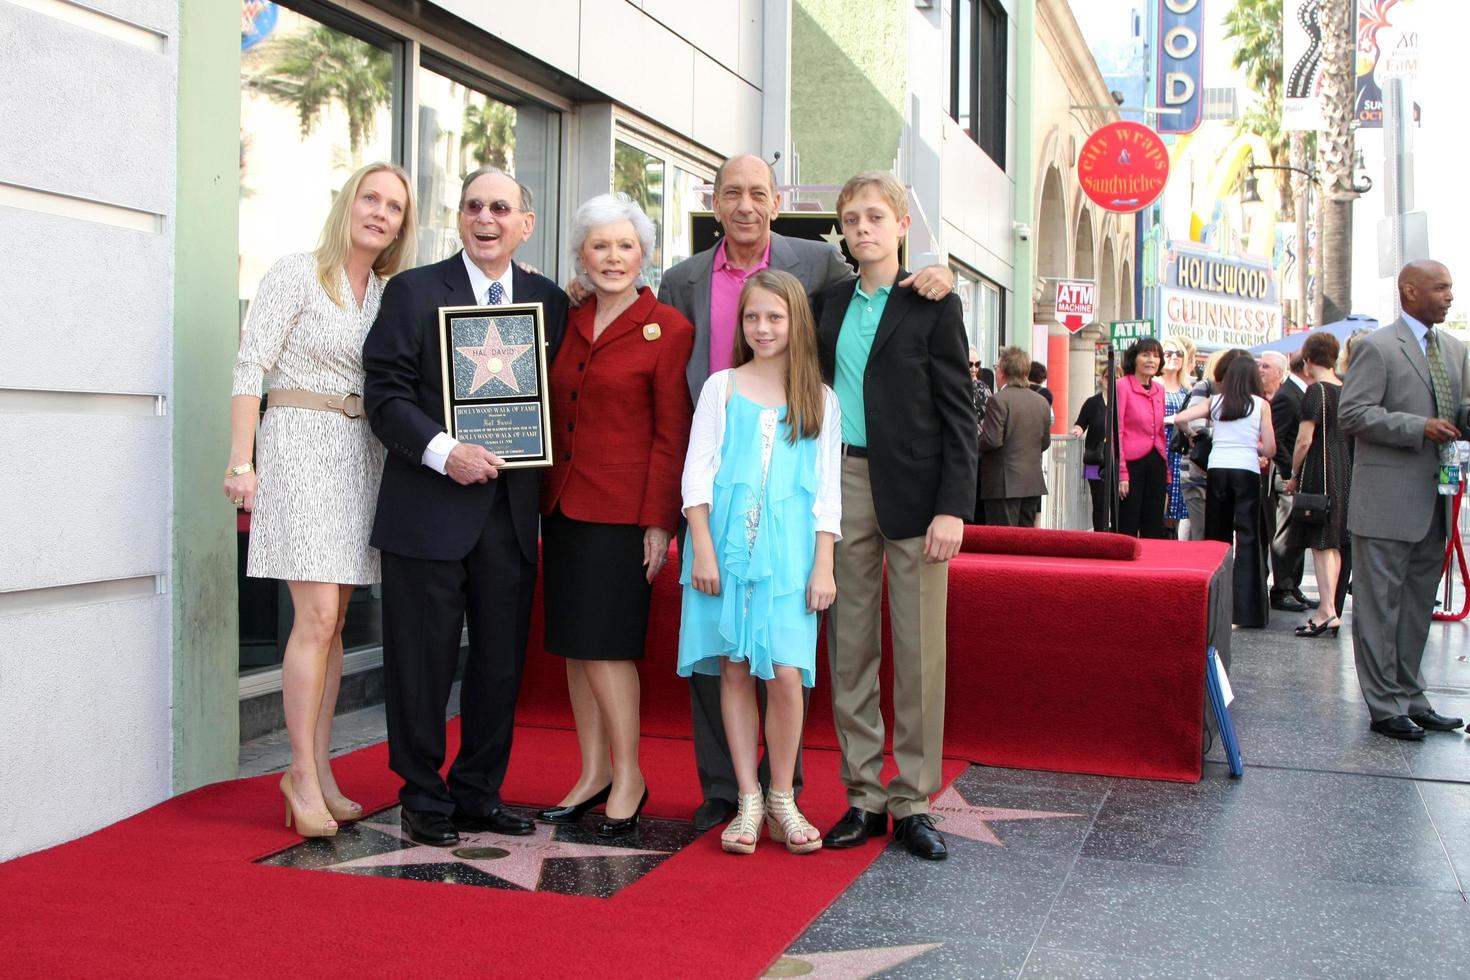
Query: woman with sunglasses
{"x": 1177, "y": 380}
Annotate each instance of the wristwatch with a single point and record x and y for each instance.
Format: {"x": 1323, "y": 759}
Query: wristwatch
{"x": 240, "y": 470}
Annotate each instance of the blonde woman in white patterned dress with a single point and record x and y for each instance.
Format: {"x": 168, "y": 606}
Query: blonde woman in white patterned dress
{"x": 316, "y": 484}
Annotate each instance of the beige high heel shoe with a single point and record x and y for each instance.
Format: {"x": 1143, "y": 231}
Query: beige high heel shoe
{"x": 784, "y": 820}
{"x": 307, "y": 824}
{"x": 749, "y": 809}
{"x": 343, "y": 810}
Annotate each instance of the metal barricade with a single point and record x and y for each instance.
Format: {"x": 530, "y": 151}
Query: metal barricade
{"x": 1068, "y": 502}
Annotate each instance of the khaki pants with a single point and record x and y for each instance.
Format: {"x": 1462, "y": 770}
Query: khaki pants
{"x": 917, "y": 593}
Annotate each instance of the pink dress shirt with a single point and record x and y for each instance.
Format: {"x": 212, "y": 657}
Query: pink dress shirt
{"x": 725, "y": 284}
{"x": 1140, "y": 421}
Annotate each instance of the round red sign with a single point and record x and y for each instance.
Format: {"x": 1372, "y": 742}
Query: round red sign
{"x": 1123, "y": 166}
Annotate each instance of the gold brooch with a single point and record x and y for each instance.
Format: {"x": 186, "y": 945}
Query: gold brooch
{"x": 651, "y": 331}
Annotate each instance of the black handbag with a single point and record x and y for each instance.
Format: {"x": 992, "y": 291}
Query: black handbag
{"x": 1315, "y": 508}
{"x": 1179, "y": 444}
{"x": 1200, "y": 454}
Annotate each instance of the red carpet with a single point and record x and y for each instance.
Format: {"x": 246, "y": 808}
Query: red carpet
{"x": 1069, "y": 657}
{"x": 172, "y": 892}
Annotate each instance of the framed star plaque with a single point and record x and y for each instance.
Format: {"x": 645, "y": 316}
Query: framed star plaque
{"x": 494, "y": 376}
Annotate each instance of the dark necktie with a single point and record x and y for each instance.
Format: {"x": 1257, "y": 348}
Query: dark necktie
{"x": 1439, "y": 379}
{"x": 497, "y": 294}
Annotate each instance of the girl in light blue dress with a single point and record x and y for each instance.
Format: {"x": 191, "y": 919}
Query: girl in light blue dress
{"x": 762, "y": 494}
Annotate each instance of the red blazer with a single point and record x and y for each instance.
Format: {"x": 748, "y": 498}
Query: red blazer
{"x": 620, "y": 416}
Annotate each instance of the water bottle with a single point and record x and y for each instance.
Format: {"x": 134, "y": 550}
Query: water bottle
{"x": 1450, "y": 468}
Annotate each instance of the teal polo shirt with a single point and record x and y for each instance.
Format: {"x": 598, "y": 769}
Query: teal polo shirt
{"x": 854, "y": 344}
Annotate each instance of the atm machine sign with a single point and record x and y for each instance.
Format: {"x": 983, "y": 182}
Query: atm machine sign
{"x": 1076, "y": 303}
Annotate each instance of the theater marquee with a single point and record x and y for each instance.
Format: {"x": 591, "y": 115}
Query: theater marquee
{"x": 1219, "y": 301}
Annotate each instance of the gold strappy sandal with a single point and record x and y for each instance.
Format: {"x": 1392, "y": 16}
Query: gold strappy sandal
{"x": 784, "y": 820}
{"x": 747, "y": 823}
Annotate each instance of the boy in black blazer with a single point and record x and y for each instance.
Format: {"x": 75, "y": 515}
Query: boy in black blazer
{"x": 899, "y": 367}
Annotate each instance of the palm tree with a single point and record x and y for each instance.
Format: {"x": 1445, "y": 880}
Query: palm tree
{"x": 1256, "y": 27}
{"x": 312, "y": 70}
{"x": 1338, "y": 19}
{"x": 489, "y": 133}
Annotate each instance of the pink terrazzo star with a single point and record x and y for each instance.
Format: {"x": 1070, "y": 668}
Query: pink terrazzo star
{"x": 521, "y": 866}
{"x": 494, "y": 359}
{"x": 964, "y": 820}
{"x": 847, "y": 964}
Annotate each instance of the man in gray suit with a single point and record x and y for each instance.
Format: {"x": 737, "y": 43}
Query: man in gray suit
{"x": 1404, "y": 397}
{"x": 706, "y": 289}
{"x": 1013, "y": 437}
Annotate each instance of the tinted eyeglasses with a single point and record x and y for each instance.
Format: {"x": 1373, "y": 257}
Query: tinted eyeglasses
{"x": 1172, "y": 353}
{"x": 499, "y": 209}
{"x": 974, "y": 364}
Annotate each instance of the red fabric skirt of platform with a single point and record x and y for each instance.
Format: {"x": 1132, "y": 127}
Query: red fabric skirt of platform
{"x": 1056, "y": 661}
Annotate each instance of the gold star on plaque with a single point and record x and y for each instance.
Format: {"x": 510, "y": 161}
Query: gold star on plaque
{"x": 833, "y": 238}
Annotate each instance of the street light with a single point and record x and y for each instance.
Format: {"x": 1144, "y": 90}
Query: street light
{"x": 1252, "y": 195}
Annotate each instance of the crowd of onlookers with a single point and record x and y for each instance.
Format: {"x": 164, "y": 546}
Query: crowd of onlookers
{"x": 1214, "y": 449}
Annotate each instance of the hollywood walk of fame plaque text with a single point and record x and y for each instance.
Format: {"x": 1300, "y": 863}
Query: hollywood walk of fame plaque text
{"x": 494, "y": 377}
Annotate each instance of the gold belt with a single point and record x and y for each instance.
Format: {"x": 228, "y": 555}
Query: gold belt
{"x": 348, "y": 405}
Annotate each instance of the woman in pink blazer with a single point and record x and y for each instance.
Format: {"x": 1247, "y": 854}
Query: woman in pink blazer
{"x": 1143, "y": 475}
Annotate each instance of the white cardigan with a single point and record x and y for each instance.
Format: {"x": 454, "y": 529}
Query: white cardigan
{"x": 708, "y": 432}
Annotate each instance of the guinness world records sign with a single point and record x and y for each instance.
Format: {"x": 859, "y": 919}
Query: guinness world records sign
{"x": 1219, "y": 301}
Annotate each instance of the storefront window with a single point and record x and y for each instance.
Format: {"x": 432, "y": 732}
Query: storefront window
{"x": 640, "y": 175}
{"x": 981, "y": 300}
{"x": 462, "y": 127}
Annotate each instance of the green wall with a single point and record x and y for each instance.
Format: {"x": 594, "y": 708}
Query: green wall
{"x": 206, "y": 650}
{"x": 848, "y": 76}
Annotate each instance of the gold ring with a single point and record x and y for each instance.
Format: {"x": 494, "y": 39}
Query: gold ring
{"x": 239, "y": 501}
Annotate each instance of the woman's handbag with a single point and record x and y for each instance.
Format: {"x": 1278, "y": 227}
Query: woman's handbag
{"x": 1179, "y": 443}
{"x": 1315, "y": 508}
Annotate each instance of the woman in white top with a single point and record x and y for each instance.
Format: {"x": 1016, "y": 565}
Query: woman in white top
{"x": 1241, "y": 420}
{"x": 318, "y": 462}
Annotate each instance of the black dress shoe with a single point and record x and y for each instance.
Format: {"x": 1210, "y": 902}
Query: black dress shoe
{"x": 1299, "y": 597}
{"x": 1436, "y": 722}
{"x": 497, "y": 821}
{"x": 1288, "y": 603}
{"x": 918, "y": 835}
{"x": 713, "y": 812}
{"x": 619, "y": 828}
{"x": 574, "y": 812}
{"x": 855, "y": 827}
{"x": 428, "y": 827}
{"x": 1399, "y": 726}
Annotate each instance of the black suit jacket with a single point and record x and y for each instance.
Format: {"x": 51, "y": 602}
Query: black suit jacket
{"x": 917, "y": 401}
{"x": 1286, "y": 416}
{"x": 422, "y": 513}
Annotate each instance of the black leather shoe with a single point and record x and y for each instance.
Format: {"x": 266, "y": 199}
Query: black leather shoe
{"x": 619, "y": 828}
{"x": 428, "y": 827}
{"x": 713, "y": 812}
{"x": 497, "y": 821}
{"x": 574, "y": 812}
{"x": 1306, "y": 603}
{"x": 1399, "y": 726}
{"x": 917, "y": 834}
{"x": 1288, "y": 603}
{"x": 1435, "y": 722}
{"x": 855, "y": 827}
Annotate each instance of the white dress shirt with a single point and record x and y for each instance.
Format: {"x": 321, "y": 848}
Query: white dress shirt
{"x": 708, "y": 433}
{"x": 436, "y": 454}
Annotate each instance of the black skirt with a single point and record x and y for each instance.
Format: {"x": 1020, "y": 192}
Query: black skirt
{"x": 594, "y": 591}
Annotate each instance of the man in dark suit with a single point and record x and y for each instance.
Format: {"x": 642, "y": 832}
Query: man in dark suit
{"x": 706, "y": 288}
{"x": 1286, "y": 559}
{"x": 1403, "y": 399}
{"x": 1017, "y": 431}
{"x": 457, "y": 532}
{"x": 897, "y": 364}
